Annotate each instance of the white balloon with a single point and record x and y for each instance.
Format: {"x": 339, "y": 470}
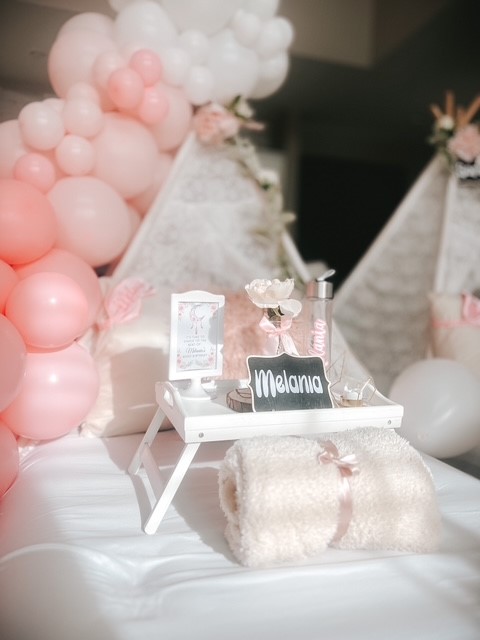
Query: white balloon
{"x": 441, "y": 400}
{"x": 264, "y": 9}
{"x": 199, "y": 85}
{"x": 145, "y": 22}
{"x": 246, "y": 27}
{"x": 271, "y": 75}
{"x": 196, "y": 44}
{"x": 118, "y": 5}
{"x": 271, "y": 39}
{"x": 176, "y": 64}
{"x": 288, "y": 31}
{"x": 233, "y": 67}
{"x": 208, "y": 16}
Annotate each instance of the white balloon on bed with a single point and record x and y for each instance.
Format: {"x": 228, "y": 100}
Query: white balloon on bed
{"x": 441, "y": 399}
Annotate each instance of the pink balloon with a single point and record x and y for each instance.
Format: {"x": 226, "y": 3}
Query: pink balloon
{"x": 154, "y": 106}
{"x": 37, "y": 170}
{"x": 13, "y": 353}
{"x": 48, "y": 309}
{"x": 148, "y": 66}
{"x": 125, "y": 88}
{"x": 27, "y": 222}
{"x": 172, "y": 131}
{"x": 75, "y": 155}
{"x": 9, "y": 458}
{"x": 72, "y": 56}
{"x": 82, "y": 117}
{"x": 143, "y": 201}
{"x": 89, "y": 20}
{"x": 59, "y": 389}
{"x": 61, "y": 261}
{"x": 83, "y": 91}
{"x": 105, "y": 64}
{"x": 125, "y": 154}
{"x": 41, "y": 126}
{"x": 8, "y": 279}
{"x": 92, "y": 219}
{"x": 12, "y": 147}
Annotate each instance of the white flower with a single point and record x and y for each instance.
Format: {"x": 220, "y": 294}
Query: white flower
{"x": 446, "y": 122}
{"x": 268, "y": 178}
{"x": 274, "y": 294}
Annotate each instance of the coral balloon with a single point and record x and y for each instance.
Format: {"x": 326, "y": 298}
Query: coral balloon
{"x": 37, "y": 170}
{"x": 72, "y": 57}
{"x": 48, "y": 309}
{"x": 174, "y": 128}
{"x": 27, "y": 222}
{"x": 75, "y": 155}
{"x": 59, "y": 389}
{"x": 441, "y": 400}
{"x": 9, "y": 458}
{"x": 154, "y": 106}
{"x": 61, "y": 261}
{"x": 92, "y": 219}
{"x": 41, "y": 126}
{"x": 8, "y": 279}
{"x": 82, "y": 117}
{"x": 125, "y": 155}
{"x": 12, "y": 147}
{"x": 125, "y": 88}
{"x": 148, "y": 66}
{"x": 13, "y": 353}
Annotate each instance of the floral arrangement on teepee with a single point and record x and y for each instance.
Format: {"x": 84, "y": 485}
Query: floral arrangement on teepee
{"x": 456, "y": 135}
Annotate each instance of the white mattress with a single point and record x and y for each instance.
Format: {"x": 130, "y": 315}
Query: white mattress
{"x": 76, "y": 564}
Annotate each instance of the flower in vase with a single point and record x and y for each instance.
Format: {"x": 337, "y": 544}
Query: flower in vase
{"x": 274, "y": 295}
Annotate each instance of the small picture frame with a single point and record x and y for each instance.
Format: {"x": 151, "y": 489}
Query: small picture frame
{"x": 196, "y": 335}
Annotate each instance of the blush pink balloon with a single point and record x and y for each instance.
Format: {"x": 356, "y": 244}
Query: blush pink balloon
{"x": 143, "y": 201}
{"x": 174, "y": 128}
{"x": 92, "y": 219}
{"x": 125, "y": 88}
{"x": 125, "y": 154}
{"x": 82, "y": 117}
{"x": 12, "y": 147}
{"x": 41, "y": 126}
{"x": 13, "y": 353}
{"x": 59, "y": 389}
{"x": 148, "y": 66}
{"x": 37, "y": 170}
{"x": 9, "y": 458}
{"x": 72, "y": 56}
{"x": 154, "y": 106}
{"x": 75, "y": 155}
{"x": 27, "y": 222}
{"x": 83, "y": 91}
{"x": 61, "y": 261}
{"x": 8, "y": 279}
{"x": 105, "y": 64}
{"x": 48, "y": 309}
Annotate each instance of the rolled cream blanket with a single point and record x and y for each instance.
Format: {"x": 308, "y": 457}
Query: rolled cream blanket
{"x": 285, "y": 498}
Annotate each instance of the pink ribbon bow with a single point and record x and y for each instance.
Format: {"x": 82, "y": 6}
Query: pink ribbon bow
{"x": 280, "y": 334}
{"x": 347, "y": 466}
{"x": 124, "y": 302}
{"x": 471, "y": 309}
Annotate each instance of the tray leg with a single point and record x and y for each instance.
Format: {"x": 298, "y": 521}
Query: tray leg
{"x": 163, "y": 502}
{"x": 147, "y": 440}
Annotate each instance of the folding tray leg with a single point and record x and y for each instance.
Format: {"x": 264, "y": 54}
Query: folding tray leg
{"x": 147, "y": 440}
{"x": 166, "y": 497}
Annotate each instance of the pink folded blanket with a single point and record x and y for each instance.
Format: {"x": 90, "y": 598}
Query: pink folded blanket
{"x": 287, "y": 498}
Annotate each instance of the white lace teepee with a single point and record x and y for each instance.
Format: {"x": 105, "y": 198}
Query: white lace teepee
{"x": 207, "y": 228}
{"x": 430, "y": 244}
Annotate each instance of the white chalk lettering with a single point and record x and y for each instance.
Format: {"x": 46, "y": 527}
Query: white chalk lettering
{"x": 267, "y": 384}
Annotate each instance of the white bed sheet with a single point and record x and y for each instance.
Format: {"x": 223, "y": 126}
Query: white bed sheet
{"x": 76, "y": 564}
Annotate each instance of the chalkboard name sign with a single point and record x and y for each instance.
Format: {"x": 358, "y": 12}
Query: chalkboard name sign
{"x": 288, "y": 383}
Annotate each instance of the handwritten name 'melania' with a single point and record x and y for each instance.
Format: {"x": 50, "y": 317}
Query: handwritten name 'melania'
{"x": 268, "y": 384}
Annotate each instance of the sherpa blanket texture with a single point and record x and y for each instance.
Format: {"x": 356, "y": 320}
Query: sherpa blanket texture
{"x": 282, "y": 504}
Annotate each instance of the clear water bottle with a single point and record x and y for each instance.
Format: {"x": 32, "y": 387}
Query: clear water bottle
{"x": 317, "y": 312}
